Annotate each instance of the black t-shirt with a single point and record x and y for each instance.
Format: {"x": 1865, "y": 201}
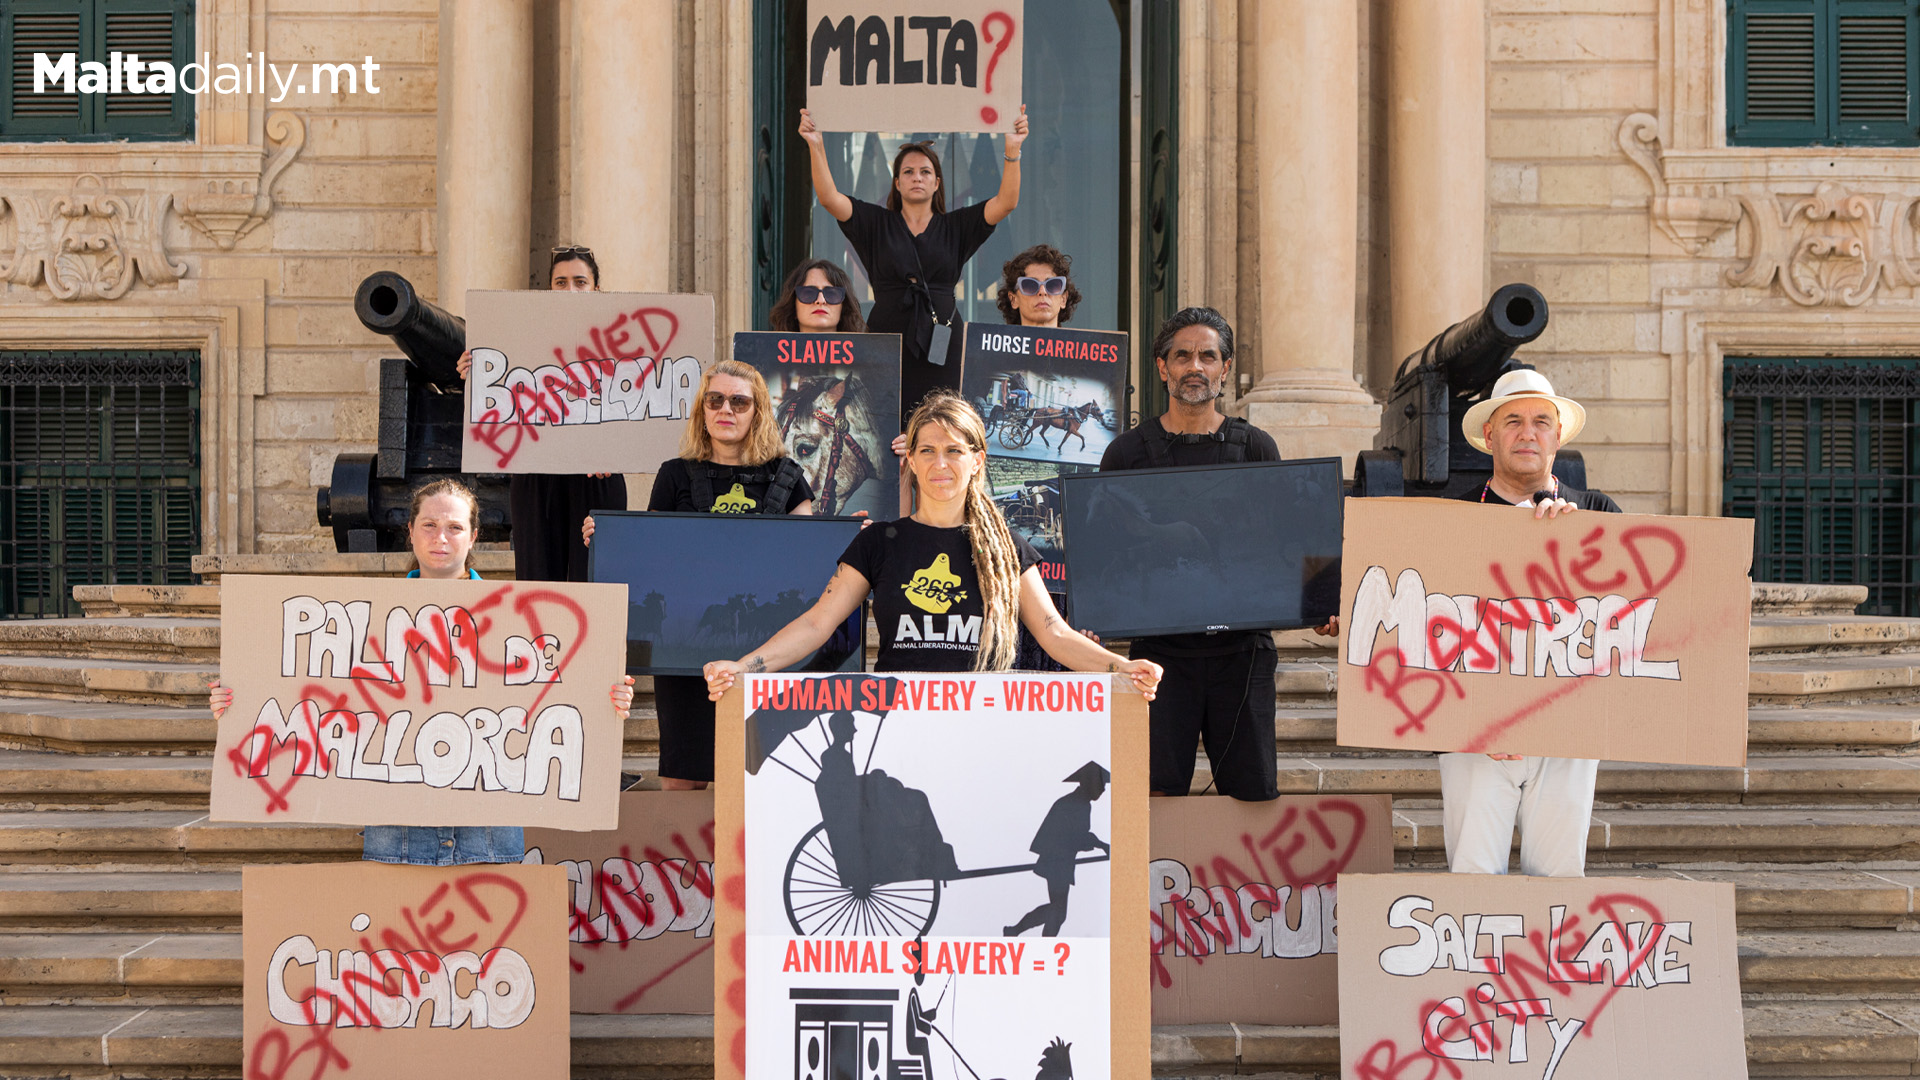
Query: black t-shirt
{"x": 1128, "y": 450}
{"x": 737, "y": 489}
{"x": 887, "y": 248}
{"x": 1585, "y": 500}
{"x": 926, "y": 595}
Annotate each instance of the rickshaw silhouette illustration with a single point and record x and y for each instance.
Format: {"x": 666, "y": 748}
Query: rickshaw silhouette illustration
{"x": 876, "y": 863}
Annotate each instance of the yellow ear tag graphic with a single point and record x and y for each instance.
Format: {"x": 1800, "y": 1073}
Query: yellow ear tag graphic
{"x": 734, "y": 502}
{"x": 935, "y": 588}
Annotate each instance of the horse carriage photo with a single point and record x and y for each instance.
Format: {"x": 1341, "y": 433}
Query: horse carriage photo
{"x": 1033, "y": 510}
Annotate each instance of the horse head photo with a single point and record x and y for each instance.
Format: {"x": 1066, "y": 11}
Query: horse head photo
{"x": 827, "y": 423}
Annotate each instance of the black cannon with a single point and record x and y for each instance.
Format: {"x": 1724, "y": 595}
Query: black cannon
{"x": 1421, "y": 450}
{"x": 421, "y": 395}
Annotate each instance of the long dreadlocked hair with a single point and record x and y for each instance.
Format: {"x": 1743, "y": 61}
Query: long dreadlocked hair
{"x": 995, "y": 560}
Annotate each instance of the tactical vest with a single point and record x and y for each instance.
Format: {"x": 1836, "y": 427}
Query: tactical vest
{"x": 781, "y": 475}
{"x": 1233, "y": 433}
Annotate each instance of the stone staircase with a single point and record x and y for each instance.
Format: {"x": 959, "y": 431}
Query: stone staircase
{"x": 120, "y": 901}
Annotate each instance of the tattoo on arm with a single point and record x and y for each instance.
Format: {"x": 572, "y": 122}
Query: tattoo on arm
{"x": 1113, "y": 666}
{"x": 1055, "y": 620}
{"x": 754, "y": 665}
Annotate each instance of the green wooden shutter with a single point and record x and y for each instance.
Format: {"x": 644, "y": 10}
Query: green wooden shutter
{"x": 1823, "y": 72}
{"x": 94, "y": 30}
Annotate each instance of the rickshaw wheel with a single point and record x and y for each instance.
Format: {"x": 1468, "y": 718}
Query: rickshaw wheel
{"x": 818, "y": 904}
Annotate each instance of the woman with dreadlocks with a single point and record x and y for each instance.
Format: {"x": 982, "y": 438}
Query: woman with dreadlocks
{"x": 951, "y": 584}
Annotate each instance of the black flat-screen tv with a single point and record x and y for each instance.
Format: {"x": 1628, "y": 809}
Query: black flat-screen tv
{"x": 1252, "y": 546}
{"x": 706, "y": 587}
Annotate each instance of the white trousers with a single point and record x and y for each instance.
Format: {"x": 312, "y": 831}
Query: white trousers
{"x": 1550, "y": 799}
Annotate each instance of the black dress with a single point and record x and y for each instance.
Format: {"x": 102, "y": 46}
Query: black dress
{"x": 896, "y": 260}
{"x": 546, "y": 512}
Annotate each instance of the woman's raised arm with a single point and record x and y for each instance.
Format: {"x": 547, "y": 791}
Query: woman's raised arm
{"x": 798, "y": 638}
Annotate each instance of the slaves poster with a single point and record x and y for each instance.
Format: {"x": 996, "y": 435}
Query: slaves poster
{"x": 362, "y": 968}
{"x": 566, "y": 382}
{"x": 1621, "y": 637}
{"x": 914, "y": 65}
{"x": 381, "y": 701}
{"x": 893, "y": 914}
{"x": 1053, "y": 400}
{"x": 836, "y": 397}
{"x": 1484, "y": 977}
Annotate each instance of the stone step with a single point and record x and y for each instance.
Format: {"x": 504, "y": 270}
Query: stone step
{"x": 1825, "y": 1038}
{"x": 1829, "y": 962}
{"x": 1873, "y": 727}
{"x": 115, "y": 601}
{"x": 168, "y": 638}
{"x": 39, "y": 780}
{"x": 129, "y": 968}
{"x": 1795, "y": 598}
{"x": 120, "y": 901}
{"x": 1621, "y": 840}
{"x": 132, "y": 682}
{"x": 105, "y": 727}
{"x": 1778, "y": 635}
{"x": 1834, "y": 680}
{"x": 162, "y": 839}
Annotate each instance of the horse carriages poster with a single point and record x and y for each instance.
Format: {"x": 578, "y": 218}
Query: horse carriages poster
{"x": 875, "y": 915}
{"x": 1052, "y": 400}
{"x": 836, "y": 397}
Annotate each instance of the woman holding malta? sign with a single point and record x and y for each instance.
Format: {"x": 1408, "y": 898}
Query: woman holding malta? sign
{"x": 440, "y": 529}
{"x": 951, "y": 584}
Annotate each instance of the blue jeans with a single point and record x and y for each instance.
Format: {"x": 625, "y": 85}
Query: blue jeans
{"x": 428, "y": 845}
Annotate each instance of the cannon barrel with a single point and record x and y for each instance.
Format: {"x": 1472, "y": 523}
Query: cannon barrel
{"x": 388, "y": 304}
{"x": 1474, "y": 351}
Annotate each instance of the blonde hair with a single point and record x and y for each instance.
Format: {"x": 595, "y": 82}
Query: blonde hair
{"x": 446, "y": 485}
{"x": 995, "y": 559}
{"x": 763, "y": 437}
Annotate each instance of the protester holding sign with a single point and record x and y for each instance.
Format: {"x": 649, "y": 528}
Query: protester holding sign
{"x": 732, "y": 461}
{"x": 1220, "y": 684}
{"x": 817, "y": 298}
{"x": 950, "y": 584}
{"x": 1036, "y": 287}
{"x": 543, "y": 507}
{"x": 440, "y": 529}
{"x": 1521, "y": 425}
{"x": 913, "y": 249}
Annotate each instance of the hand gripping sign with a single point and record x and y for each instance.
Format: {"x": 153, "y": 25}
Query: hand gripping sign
{"x": 1478, "y": 628}
{"x": 381, "y": 701}
{"x": 568, "y": 382}
{"x": 914, "y": 65}
{"x": 1453, "y": 976}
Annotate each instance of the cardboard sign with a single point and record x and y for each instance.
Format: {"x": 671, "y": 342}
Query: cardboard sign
{"x": 886, "y": 913}
{"x": 567, "y": 382}
{"x": 641, "y": 904}
{"x": 1484, "y": 977}
{"x": 1053, "y": 400}
{"x": 405, "y": 970}
{"x": 1242, "y": 903}
{"x": 914, "y": 65}
{"x": 1476, "y": 628}
{"x": 381, "y": 701}
{"x": 836, "y": 397}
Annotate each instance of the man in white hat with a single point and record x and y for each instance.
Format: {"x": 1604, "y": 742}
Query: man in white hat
{"x": 1522, "y": 425}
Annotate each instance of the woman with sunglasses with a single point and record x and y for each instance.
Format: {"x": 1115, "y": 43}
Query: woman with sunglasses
{"x": 817, "y": 298}
{"x": 544, "y": 507}
{"x": 732, "y": 461}
{"x": 1036, "y": 287}
{"x": 913, "y": 249}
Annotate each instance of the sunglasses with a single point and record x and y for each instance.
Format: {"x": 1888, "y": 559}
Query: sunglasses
{"x": 815, "y": 294}
{"x": 572, "y": 249}
{"x": 716, "y": 401}
{"x": 1029, "y": 286}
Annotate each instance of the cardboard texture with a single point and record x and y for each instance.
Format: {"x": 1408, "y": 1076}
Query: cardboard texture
{"x": 1471, "y": 628}
{"x": 405, "y": 971}
{"x": 944, "y": 765}
{"x": 1469, "y": 976}
{"x": 640, "y": 904}
{"x": 387, "y": 701}
{"x": 566, "y": 382}
{"x": 914, "y": 65}
{"x": 837, "y": 397}
{"x": 1242, "y": 903}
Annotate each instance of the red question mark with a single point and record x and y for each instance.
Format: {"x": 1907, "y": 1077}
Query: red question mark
{"x": 987, "y": 112}
{"x": 1060, "y": 953}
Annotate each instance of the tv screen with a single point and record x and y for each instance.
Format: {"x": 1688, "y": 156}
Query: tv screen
{"x": 706, "y": 587}
{"x": 1226, "y": 547}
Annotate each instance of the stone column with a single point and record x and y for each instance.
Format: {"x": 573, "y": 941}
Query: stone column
{"x": 484, "y": 222}
{"x": 1306, "y": 124}
{"x": 623, "y": 139}
{"x": 1436, "y": 167}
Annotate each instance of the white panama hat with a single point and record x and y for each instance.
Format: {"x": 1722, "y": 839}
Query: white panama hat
{"x": 1516, "y": 384}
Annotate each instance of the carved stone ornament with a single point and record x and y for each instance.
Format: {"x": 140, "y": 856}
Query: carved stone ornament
{"x": 230, "y": 209}
{"x": 1689, "y": 220}
{"x": 90, "y": 243}
{"x": 1832, "y": 247}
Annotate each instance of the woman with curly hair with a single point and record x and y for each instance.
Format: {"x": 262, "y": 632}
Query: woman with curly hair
{"x": 1036, "y": 287}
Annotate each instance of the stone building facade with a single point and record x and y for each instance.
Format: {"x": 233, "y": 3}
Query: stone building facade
{"x": 1352, "y": 175}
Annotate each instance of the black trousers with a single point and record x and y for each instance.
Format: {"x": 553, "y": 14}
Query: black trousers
{"x": 1224, "y": 703}
{"x": 546, "y": 512}
{"x": 686, "y": 727}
